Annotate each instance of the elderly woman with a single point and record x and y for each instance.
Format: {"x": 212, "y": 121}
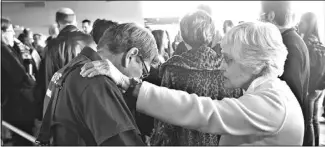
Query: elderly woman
{"x": 267, "y": 114}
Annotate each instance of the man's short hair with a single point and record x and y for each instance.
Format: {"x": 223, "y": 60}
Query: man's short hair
{"x": 65, "y": 18}
{"x": 100, "y": 26}
{"x": 281, "y": 9}
{"x": 86, "y": 21}
{"x": 126, "y": 36}
{"x": 5, "y": 23}
{"x": 197, "y": 28}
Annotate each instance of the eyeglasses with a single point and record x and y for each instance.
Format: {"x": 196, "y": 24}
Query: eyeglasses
{"x": 145, "y": 72}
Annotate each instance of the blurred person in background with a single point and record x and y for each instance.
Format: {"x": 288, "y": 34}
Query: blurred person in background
{"x": 17, "y": 99}
{"x": 61, "y": 50}
{"x": 162, "y": 41}
{"x": 39, "y": 44}
{"x": 227, "y": 25}
{"x": 169, "y": 50}
{"x": 26, "y": 37}
{"x": 53, "y": 32}
{"x": 194, "y": 71}
{"x": 177, "y": 40}
{"x": 30, "y": 55}
{"x": 297, "y": 66}
{"x": 99, "y": 28}
{"x": 86, "y": 26}
{"x": 308, "y": 29}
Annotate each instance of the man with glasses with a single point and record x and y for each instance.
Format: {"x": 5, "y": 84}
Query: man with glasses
{"x": 94, "y": 111}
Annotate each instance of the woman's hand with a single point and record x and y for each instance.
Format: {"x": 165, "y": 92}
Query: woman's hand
{"x": 106, "y": 68}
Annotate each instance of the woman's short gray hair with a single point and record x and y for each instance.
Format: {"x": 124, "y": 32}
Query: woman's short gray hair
{"x": 197, "y": 28}
{"x": 258, "y": 46}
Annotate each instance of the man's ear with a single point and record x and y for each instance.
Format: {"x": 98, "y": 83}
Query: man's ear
{"x": 270, "y": 16}
{"x": 132, "y": 53}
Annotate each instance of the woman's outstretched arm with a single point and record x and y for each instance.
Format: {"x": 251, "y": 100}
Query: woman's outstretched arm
{"x": 261, "y": 113}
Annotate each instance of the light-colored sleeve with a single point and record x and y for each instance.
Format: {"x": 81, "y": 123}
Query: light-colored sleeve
{"x": 260, "y": 113}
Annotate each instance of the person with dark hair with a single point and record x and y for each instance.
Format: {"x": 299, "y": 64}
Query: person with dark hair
{"x": 100, "y": 26}
{"x": 162, "y": 44}
{"x": 26, "y": 37}
{"x": 17, "y": 100}
{"x": 227, "y": 25}
{"x": 38, "y": 44}
{"x": 194, "y": 71}
{"x": 62, "y": 49}
{"x": 308, "y": 30}
{"x": 86, "y": 26}
{"x": 297, "y": 66}
{"x": 94, "y": 111}
{"x": 30, "y": 55}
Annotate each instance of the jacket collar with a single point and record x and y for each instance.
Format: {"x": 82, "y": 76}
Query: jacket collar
{"x": 90, "y": 53}
{"x": 258, "y": 82}
{"x": 68, "y": 28}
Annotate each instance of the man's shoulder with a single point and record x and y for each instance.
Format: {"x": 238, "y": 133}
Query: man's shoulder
{"x": 292, "y": 38}
{"x": 295, "y": 43}
{"x": 74, "y": 79}
{"x": 74, "y": 36}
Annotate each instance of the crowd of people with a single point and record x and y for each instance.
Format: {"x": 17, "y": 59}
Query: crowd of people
{"x": 110, "y": 83}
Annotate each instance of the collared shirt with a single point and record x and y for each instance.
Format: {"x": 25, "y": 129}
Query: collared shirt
{"x": 92, "y": 109}
{"x": 267, "y": 114}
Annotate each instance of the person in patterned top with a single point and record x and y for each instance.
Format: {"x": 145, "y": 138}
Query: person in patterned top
{"x": 194, "y": 71}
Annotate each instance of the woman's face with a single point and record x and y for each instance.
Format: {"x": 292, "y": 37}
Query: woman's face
{"x": 236, "y": 76}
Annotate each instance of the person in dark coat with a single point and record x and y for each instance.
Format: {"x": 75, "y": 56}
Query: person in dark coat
{"x": 17, "y": 87}
{"x": 297, "y": 66}
{"x": 94, "y": 111}
{"x": 63, "y": 49}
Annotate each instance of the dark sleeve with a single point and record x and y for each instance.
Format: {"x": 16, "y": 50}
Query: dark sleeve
{"x": 127, "y": 138}
{"x": 294, "y": 71}
{"x": 40, "y": 89}
{"x": 106, "y": 114}
{"x": 11, "y": 65}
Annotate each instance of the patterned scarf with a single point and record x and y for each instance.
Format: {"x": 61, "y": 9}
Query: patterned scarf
{"x": 194, "y": 71}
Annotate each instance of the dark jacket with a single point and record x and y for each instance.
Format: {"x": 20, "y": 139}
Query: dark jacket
{"x": 88, "y": 111}
{"x": 17, "y": 88}
{"x": 297, "y": 73}
{"x": 58, "y": 52}
{"x": 194, "y": 71}
{"x": 297, "y": 67}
